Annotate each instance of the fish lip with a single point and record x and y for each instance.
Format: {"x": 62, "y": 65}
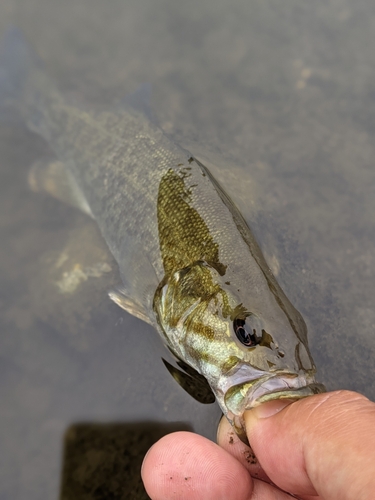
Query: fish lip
{"x": 270, "y": 386}
{"x": 291, "y": 393}
{"x": 283, "y": 386}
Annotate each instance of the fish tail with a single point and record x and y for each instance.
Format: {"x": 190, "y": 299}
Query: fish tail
{"x": 24, "y": 87}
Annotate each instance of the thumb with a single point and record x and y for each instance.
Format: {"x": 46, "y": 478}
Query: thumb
{"x": 324, "y": 444}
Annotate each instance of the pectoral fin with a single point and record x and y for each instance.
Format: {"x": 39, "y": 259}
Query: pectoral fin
{"x": 120, "y": 296}
{"x": 191, "y": 381}
{"x": 54, "y": 178}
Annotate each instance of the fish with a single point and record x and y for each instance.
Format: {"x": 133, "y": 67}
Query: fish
{"x": 188, "y": 261}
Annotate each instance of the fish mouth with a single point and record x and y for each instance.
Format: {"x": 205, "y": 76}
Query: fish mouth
{"x": 283, "y": 387}
{"x": 247, "y": 394}
{"x": 289, "y": 386}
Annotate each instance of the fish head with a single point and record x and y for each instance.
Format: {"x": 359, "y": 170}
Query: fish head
{"x": 250, "y": 344}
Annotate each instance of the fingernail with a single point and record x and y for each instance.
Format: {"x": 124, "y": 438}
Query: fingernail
{"x": 265, "y": 410}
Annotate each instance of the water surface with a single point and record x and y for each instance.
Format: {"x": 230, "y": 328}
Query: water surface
{"x": 279, "y": 101}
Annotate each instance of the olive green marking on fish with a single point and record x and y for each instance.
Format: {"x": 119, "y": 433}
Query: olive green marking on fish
{"x": 192, "y": 289}
{"x": 229, "y": 363}
{"x": 266, "y": 340}
{"x": 183, "y": 234}
{"x": 182, "y": 301}
{"x": 235, "y": 394}
{"x": 239, "y": 312}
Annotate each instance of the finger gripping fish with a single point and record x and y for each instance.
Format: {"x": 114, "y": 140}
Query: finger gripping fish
{"x": 189, "y": 263}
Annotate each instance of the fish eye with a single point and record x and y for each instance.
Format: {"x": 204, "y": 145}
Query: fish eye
{"x": 245, "y": 332}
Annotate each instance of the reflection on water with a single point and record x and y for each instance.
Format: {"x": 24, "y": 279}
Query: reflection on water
{"x": 278, "y": 100}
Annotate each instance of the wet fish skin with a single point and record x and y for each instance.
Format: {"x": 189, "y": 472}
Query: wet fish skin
{"x": 189, "y": 263}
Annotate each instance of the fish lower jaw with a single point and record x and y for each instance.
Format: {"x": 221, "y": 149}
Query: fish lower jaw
{"x": 246, "y": 394}
{"x": 284, "y": 387}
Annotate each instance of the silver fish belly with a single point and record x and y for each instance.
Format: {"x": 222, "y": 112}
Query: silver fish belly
{"x": 189, "y": 263}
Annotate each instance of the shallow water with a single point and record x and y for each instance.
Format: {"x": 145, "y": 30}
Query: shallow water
{"x": 279, "y": 101}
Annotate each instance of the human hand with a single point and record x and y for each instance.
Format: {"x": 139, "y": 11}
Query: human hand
{"x": 318, "y": 448}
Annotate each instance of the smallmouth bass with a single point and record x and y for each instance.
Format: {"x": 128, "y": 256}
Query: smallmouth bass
{"x": 189, "y": 263}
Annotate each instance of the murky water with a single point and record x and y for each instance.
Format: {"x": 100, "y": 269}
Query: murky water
{"x": 279, "y": 101}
